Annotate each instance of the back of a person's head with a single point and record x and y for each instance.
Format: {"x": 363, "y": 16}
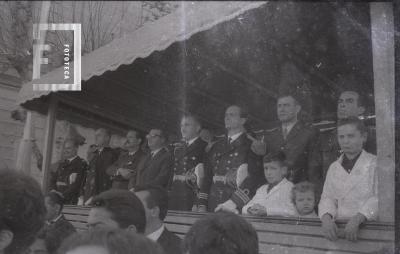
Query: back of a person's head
{"x": 221, "y": 233}
{"x": 55, "y": 198}
{"x": 124, "y": 206}
{"x": 114, "y": 241}
{"x": 158, "y": 196}
{"x": 22, "y": 209}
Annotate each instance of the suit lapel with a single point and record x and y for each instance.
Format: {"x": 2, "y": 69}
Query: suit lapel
{"x": 294, "y": 131}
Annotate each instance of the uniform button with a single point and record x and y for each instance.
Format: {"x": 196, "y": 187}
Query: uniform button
{"x": 227, "y": 168}
{"x": 174, "y": 168}
{"x": 229, "y": 161}
{"x": 217, "y": 161}
{"x": 215, "y": 167}
{"x": 184, "y": 169}
{"x": 231, "y": 155}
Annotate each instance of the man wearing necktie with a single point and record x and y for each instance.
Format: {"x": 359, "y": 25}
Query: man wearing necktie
{"x": 68, "y": 175}
{"x": 292, "y": 136}
{"x": 97, "y": 179}
{"x": 156, "y": 168}
{"x": 232, "y": 171}
{"x": 188, "y": 167}
{"x": 126, "y": 166}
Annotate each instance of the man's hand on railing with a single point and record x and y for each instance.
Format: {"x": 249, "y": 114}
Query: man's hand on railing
{"x": 227, "y": 206}
{"x": 201, "y": 208}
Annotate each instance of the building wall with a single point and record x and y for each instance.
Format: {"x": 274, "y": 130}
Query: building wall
{"x": 11, "y": 131}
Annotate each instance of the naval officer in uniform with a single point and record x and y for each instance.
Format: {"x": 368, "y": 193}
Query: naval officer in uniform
{"x": 188, "y": 166}
{"x": 232, "y": 171}
{"x": 68, "y": 175}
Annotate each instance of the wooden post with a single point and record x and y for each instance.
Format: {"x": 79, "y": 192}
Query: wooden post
{"x": 48, "y": 141}
{"x": 382, "y": 36}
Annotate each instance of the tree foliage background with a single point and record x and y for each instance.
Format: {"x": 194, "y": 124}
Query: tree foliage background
{"x": 101, "y": 23}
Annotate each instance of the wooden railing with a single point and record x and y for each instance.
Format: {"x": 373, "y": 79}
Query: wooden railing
{"x": 277, "y": 234}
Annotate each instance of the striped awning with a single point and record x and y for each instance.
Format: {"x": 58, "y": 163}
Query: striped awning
{"x": 191, "y": 18}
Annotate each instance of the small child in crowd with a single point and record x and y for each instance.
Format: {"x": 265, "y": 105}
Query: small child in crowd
{"x": 275, "y": 197}
{"x": 303, "y": 195}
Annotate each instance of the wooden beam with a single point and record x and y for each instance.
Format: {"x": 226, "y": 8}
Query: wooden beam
{"x": 48, "y": 140}
{"x": 382, "y": 30}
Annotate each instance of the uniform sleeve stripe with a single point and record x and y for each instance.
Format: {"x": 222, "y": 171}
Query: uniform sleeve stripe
{"x": 242, "y": 196}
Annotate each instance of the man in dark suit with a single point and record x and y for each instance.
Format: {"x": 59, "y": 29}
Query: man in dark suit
{"x": 103, "y": 156}
{"x": 155, "y": 202}
{"x": 293, "y": 136}
{"x": 232, "y": 171}
{"x": 126, "y": 166}
{"x": 189, "y": 166}
{"x": 156, "y": 168}
{"x": 68, "y": 175}
{"x": 350, "y": 104}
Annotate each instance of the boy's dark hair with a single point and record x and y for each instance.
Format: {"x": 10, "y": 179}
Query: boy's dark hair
{"x": 221, "y": 233}
{"x": 158, "y": 196}
{"x": 56, "y": 198}
{"x": 125, "y": 208}
{"x": 275, "y": 156}
{"x": 22, "y": 209}
{"x": 302, "y": 187}
{"x": 113, "y": 240}
{"x": 355, "y": 121}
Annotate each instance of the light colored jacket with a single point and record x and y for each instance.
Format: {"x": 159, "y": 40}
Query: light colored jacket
{"x": 344, "y": 195}
{"x": 277, "y": 202}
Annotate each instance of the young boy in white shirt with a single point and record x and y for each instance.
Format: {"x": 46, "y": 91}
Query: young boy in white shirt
{"x": 303, "y": 195}
{"x": 275, "y": 197}
{"x": 350, "y": 189}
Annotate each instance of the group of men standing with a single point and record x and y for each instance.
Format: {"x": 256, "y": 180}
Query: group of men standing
{"x": 199, "y": 178}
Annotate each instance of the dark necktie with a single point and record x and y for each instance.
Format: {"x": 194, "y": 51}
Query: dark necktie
{"x": 284, "y": 132}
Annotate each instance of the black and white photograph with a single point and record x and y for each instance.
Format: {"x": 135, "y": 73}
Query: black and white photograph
{"x": 199, "y": 127}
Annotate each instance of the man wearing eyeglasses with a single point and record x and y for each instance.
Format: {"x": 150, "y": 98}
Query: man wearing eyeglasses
{"x": 156, "y": 169}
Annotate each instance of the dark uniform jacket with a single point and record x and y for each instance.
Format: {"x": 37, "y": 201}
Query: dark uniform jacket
{"x": 97, "y": 179}
{"x": 221, "y": 166}
{"x": 328, "y": 150}
{"x": 170, "y": 243}
{"x": 125, "y": 161}
{"x": 154, "y": 170}
{"x": 61, "y": 178}
{"x": 298, "y": 147}
{"x": 184, "y": 185}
